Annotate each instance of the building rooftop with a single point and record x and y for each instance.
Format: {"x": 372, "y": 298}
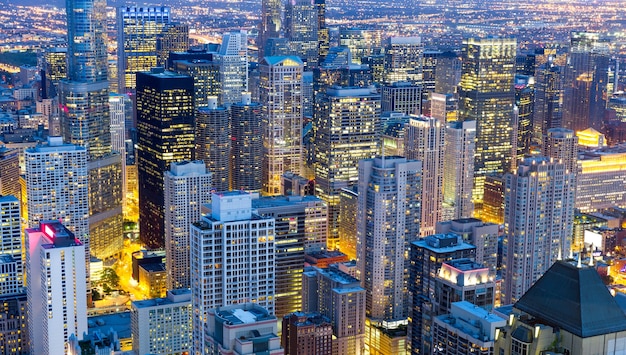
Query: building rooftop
{"x": 243, "y": 314}
{"x": 574, "y": 299}
{"x": 179, "y": 296}
{"x": 465, "y": 264}
{"x": 280, "y": 201}
{"x": 119, "y": 322}
{"x": 443, "y": 243}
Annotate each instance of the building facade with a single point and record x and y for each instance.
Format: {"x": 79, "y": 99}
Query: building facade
{"x": 165, "y": 134}
{"x": 187, "y": 189}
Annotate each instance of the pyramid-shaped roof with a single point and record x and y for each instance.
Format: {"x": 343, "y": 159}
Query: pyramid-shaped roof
{"x": 574, "y": 299}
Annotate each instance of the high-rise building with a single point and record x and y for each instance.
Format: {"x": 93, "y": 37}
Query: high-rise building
{"x": 87, "y": 49}
{"x": 493, "y": 202}
{"x": 213, "y": 142}
{"x": 187, "y": 187}
{"x": 242, "y": 329}
{"x": 548, "y": 110}
{"x": 389, "y": 195}
{"x": 300, "y": 228}
{"x": 601, "y": 180}
{"x": 448, "y": 73}
{"x": 586, "y": 76}
{"x": 346, "y": 130}
{"x": 162, "y": 325}
{"x": 206, "y": 78}
{"x": 524, "y": 102}
{"x": 486, "y": 96}
{"x": 271, "y": 23}
{"x": 232, "y": 261}
{"x": 57, "y": 187}
{"x": 562, "y": 145}
{"x": 402, "y": 96}
{"x": 346, "y": 230}
{"x": 9, "y": 172}
{"x": 137, "y": 32}
{"x": 302, "y": 29}
{"x": 165, "y": 134}
{"x": 246, "y": 145}
{"x": 426, "y": 258}
{"x": 424, "y": 141}
{"x": 362, "y": 43}
{"x": 173, "y": 38}
{"x": 338, "y": 296}
{"x": 13, "y": 324}
{"x": 538, "y": 221}
{"x": 11, "y": 248}
{"x": 307, "y": 333}
{"x": 484, "y": 236}
{"x": 444, "y": 107}
{"x": 281, "y": 96}
{"x": 323, "y": 37}
{"x": 404, "y": 60}
{"x": 458, "y": 178}
{"x": 56, "y": 274}
{"x": 233, "y": 62}
{"x": 85, "y": 121}
{"x": 55, "y": 69}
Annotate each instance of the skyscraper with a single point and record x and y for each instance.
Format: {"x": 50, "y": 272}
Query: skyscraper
{"x": 281, "y": 96}
{"x": 187, "y": 188}
{"x": 56, "y": 274}
{"x": 9, "y": 172}
{"x": 302, "y": 29}
{"x": 11, "y": 245}
{"x": 165, "y": 134}
{"x": 538, "y": 221}
{"x": 85, "y": 121}
{"x": 346, "y": 130}
{"x": 562, "y": 145}
{"x": 87, "y": 50}
{"x": 424, "y": 141}
{"x": 486, "y": 96}
{"x": 233, "y": 62}
{"x": 524, "y": 102}
{"x": 247, "y": 145}
{"x": 301, "y": 227}
{"x": 548, "y": 110}
{"x": 57, "y": 187}
{"x": 206, "y": 78}
{"x": 458, "y": 178}
{"x": 585, "y": 81}
{"x": 403, "y": 60}
{"x": 388, "y": 220}
{"x": 426, "y": 258}
{"x": 271, "y": 23}
{"x": 323, "y": 37}
{"x": 137, "y": 32}
{"x": 213, "y": 142}
{"x": 232, "y": 261}
{"x": 173, "y": 38}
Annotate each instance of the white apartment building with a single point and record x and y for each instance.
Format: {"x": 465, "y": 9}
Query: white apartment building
{"x": 388, "y": 219}
{"x": 162, "y": 325}
{"x": 232, "y": 260}
{"x": 56, "y": 274}
{"x": 187, "y": 187}
{"x": 458, "y": 173}
{"x": 280, "y": 93}
{"x": 57, "y": 187}
{"x": 538, "y": 222}
{"x": 424, "y": 141}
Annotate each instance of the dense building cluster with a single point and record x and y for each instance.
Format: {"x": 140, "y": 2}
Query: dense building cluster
{"x": 301, "y": 188}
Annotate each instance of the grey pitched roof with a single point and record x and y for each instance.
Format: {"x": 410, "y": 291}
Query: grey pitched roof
{"x": 574, "y": 299}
